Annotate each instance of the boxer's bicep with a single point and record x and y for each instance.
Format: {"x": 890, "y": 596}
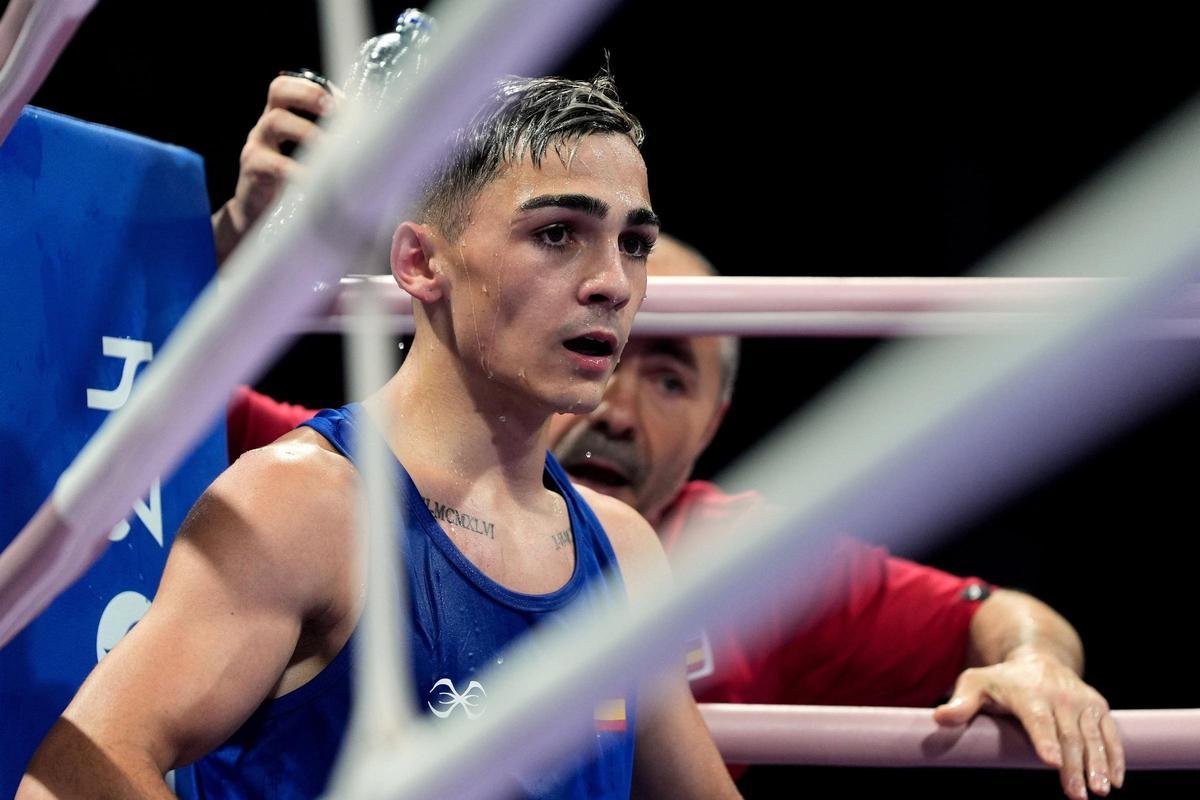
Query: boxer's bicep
{"x": 219, "y": 634}
{"x": 178, "y": 683}
{"x": 240, "y": 582}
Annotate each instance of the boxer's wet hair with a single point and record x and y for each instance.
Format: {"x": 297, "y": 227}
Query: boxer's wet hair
{"x": 524, "y": 116}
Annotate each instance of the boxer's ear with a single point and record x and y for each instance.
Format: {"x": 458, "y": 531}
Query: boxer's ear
{"x": 414, "y": 262}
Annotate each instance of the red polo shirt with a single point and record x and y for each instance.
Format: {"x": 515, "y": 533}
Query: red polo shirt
{"x": 887, "y": 631}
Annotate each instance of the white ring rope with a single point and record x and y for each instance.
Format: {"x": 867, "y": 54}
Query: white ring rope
{"x": 382, "y": 705}
{"x": 345, "y": 25}
{"x": 32, "y": 34}
{"x": 11, "y": 24}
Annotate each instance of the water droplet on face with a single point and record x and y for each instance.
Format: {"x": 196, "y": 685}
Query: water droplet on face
{"x": 485, "y": 290}
{"x": 588, "y": 454}
{"x": 503, "y": 418}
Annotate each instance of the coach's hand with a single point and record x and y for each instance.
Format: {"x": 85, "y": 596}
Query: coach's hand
{"x": 264, "y": 167}
{"x": 1067, "y": 720}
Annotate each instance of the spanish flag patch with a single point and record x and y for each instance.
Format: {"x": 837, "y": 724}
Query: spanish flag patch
{"x": 610, "y": 715}
{"x": 699, "y": 657}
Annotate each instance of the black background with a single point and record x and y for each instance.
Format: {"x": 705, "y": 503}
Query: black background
{"x": 811, "y": 142}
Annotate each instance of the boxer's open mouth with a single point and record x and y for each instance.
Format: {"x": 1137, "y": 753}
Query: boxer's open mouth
{"x": 592, "y": 344}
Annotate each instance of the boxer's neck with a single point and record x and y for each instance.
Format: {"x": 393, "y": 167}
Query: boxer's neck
{"x": 453, "y": 425}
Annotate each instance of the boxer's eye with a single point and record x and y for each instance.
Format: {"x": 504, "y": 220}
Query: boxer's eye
{"x": 553, "y": 237}
{"x": 637, "y": 245}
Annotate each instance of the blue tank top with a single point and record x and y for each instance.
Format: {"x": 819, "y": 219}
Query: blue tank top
{"x": 460, "y": 622}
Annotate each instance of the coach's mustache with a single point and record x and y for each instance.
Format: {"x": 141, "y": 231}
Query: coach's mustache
{"x": 595, "y": 455}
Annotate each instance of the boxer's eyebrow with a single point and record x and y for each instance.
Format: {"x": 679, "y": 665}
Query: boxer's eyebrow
{"x": 592, "y": 206}
{"x": 642, "y": 216}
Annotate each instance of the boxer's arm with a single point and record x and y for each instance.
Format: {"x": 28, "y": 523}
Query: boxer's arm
{"x": 263, "y": 168}
{"x": 242, "y": 579}
{"x": 675, "y": 756}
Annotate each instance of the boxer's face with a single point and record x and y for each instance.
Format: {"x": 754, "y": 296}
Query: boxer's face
{"x": 659, "y": 412}
{"x": 550, "y": 269}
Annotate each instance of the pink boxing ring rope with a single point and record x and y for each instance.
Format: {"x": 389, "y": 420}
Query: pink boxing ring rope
{"x": 821, "y": 307}
{"x": 908, "y": 737}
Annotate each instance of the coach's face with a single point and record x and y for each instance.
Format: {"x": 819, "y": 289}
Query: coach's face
{"x": 659, "y": 412}
{"x": 550, "y": 269}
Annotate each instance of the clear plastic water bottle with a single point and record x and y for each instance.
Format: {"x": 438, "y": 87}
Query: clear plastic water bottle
{"x": 386, "y": 66}
{"x": 387, "y": 63}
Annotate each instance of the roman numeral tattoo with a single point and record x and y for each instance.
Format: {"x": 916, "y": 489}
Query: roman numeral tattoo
{"x": 453, "y": 516}
{"x": 562, "y": 539}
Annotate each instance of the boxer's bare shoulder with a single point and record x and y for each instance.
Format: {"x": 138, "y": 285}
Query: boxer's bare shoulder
{"x": 284, "y": 511}
{"x": 640, "y": 555}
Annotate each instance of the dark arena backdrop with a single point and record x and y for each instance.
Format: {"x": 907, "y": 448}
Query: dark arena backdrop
{"x": 803, "y": 140}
